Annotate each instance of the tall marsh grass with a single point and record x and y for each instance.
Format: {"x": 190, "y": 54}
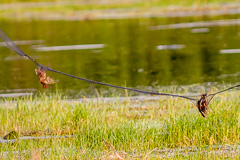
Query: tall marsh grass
{"x": 166, "y": 123}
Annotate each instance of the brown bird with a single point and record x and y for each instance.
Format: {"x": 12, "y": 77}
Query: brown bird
{"x": 41, "y": 73}
{"x": 203, "y": 105}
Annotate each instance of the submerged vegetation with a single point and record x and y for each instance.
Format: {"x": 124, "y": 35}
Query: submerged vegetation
{"x": 133, "y": 131}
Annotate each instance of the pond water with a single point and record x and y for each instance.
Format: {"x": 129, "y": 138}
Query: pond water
{"x": 138, "y": 53}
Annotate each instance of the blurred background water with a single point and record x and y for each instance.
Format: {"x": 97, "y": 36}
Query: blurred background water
{"x": 137, "y": 52}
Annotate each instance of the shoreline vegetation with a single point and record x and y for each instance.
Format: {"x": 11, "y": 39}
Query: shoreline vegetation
{"x": 83, "y": 10}
{"x": 166, "y": 127}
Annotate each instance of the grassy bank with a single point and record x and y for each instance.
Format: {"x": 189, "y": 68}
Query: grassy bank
{"x": 85, "y": 10}
{"x": 133, "y": 131}
{"x": 129, "y": 2}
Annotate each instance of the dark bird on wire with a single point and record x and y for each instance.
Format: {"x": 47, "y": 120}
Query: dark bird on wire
{"x": 202, "y": 105}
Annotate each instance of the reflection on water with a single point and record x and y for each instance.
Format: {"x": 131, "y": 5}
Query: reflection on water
{"x": 130, "y": 53}
{"x": 214, "y": 23}
{"x": 200, "y": 30}
{"x": 170, "y": 47}
{"x": 229, "y": 51}
{"x": 70, "y": 47}
{"x": 26, "y": 42}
